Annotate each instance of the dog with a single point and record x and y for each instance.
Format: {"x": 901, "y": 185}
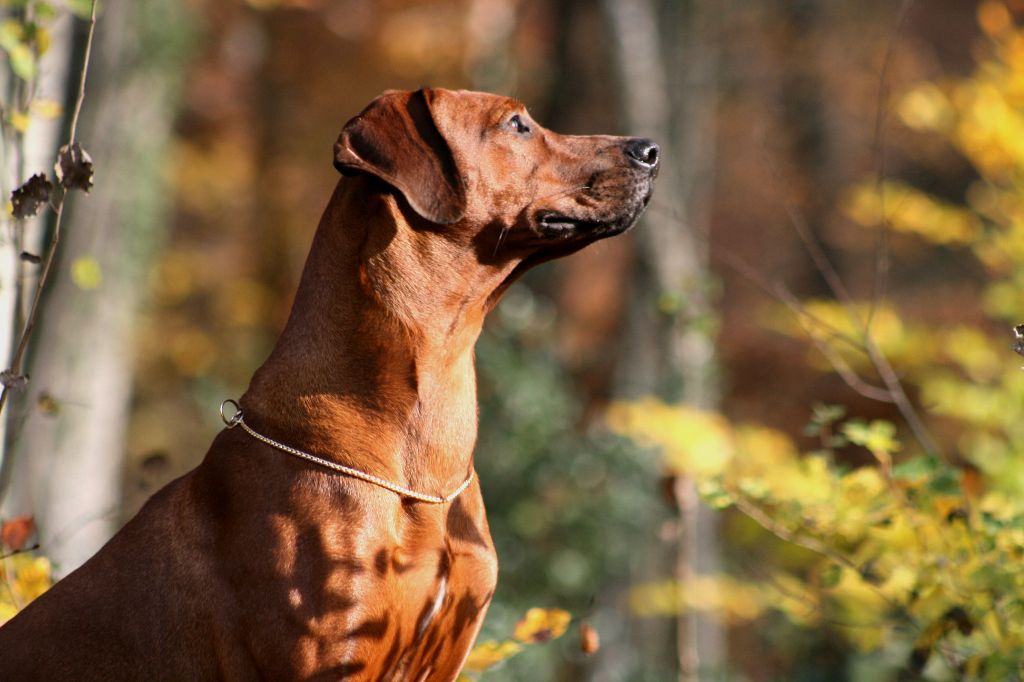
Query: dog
{"x": 335, "y": 529}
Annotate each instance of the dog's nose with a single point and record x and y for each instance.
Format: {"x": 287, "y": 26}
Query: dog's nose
{"x": 644, "y": 152}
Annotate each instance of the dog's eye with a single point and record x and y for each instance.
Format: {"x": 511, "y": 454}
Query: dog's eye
{"x": 517, "y": 125}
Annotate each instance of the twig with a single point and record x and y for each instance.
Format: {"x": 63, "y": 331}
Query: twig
{"x": 847, "y": 374}
{"x": 881, "y": 113}
{"x": 893, "y": 386}
{"x": 85, "y": 73}
{"x": 782, "y": 294}
{"x": 51, "y": 252}
{"x": 759, "y": 516}
{"x": 775, "y": 290}
{"x": 902, "y": 402}
{"x": 813, "y": 247}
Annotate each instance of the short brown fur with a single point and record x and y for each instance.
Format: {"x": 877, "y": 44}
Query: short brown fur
{"x": 259, "y": 565}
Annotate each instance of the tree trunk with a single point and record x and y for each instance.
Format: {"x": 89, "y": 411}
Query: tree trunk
{"x": 669, "y": 93}
{"x": 70, "y": 424}
{"x": 34, "y": 154}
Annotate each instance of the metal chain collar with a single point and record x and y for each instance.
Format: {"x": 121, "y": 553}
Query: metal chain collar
{"x": 236, "y": 420}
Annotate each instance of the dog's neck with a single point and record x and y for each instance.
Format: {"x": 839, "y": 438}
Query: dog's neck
{"x": 375, "y": 366}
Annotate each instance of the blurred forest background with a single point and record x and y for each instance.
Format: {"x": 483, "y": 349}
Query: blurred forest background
{"x": 839, "y": 221}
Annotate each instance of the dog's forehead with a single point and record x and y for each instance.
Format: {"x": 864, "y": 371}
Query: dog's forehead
{"x": 490, "y": 106}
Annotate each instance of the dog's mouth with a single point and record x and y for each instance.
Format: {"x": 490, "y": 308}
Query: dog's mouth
{"x": 556, "y": 233}
{"x": 553, "y": 227}
{"x": 558, "y": 226}
{"x": 559, "y": 234}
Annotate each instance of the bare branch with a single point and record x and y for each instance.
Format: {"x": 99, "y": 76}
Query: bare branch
{"x": 881, "y": 113}
{"x": 893, "y": 391}
{"x": 813, "y": 247}
{"x": 848, "y": 375}
{"x": 44, "y": 274}
{"x": 85, "y": 73}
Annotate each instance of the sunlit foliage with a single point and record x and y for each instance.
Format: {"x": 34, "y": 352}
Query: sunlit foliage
{"x": 916, "y": 556}
{"x": 570, "y": 510}
{"x": 23, "y": 578}
{"x": 913, "y": 555}
{"x": 536, "y": 627}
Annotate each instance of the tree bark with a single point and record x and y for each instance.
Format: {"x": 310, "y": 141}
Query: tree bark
{"x": 667, "y": 67}
{"x": 35, "y": 154}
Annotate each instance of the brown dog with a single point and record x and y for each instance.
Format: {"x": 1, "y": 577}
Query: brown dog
{"x": 262, "y": 565}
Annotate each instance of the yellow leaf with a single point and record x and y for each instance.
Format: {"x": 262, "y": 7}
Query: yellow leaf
{"x": 32, "y": 577}
{"x": 27, "y": 578}
{"x": 994, "y": 18}
{"x": 716, "y": 594}
{"x": 878, "y": 436}
{"x": 694, "y": 442}
{"x": 86, "y": 273}
{"x": 542, "y": 625}
{"x": 926, "y": 107}
{"x": 43, "y": 40}
{"x": 488, "y": 654}
{"x": 907, "y": 209}
{"x": 46, "y": 108}
{"x": 19, "y": 121}
{"x": 861, "y": 601}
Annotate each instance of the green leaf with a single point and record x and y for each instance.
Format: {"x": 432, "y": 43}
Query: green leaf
{"x": 45, "y": 11}
{"x": 829, "y": 575}
{"x": 23, "y": 62}
{"x": 80, "y": 8}
{"x": 945, "y": 482}
{"x": 822, "y": 413}
{"x": 11, "y": 34}
{"x": 714, "y": 495}
{"x": 877, "y": 436}
{"x": 916, "y": 468}
{"x": 823, "y": 416}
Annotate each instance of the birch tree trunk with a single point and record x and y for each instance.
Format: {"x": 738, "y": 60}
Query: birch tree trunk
{"x": 667, "y": 64}
{"x": 69, "y": 426}
{"x": 34, "y": 155}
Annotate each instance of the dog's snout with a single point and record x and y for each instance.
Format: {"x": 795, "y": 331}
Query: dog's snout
{"x": 643, "y": 152}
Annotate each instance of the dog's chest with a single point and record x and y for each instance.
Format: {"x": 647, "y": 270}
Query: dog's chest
{"x": 383, "y": 610}
{"x": 439, "y": 624}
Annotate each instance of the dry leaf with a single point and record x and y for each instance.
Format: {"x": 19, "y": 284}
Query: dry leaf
{"x": 16, "y": 532}
{"x": 31, "y": 196}
{"x": 590, "y": 641}
{"x": 12, "y": 380}
{"x": 74, "y": 167}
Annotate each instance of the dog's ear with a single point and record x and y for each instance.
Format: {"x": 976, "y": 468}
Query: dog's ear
{"x": 397, "y": 140}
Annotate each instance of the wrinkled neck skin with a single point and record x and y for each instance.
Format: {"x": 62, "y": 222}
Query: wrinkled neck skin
{"x": 375, "y": 367}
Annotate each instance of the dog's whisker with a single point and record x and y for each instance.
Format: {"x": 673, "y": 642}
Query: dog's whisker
{"x": 501, "y": 238}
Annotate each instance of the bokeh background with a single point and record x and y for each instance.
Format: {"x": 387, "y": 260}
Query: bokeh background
{"x": 212, "y": 123}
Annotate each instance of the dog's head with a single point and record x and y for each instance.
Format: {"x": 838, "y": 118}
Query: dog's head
{"x": 480, "y": 165}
